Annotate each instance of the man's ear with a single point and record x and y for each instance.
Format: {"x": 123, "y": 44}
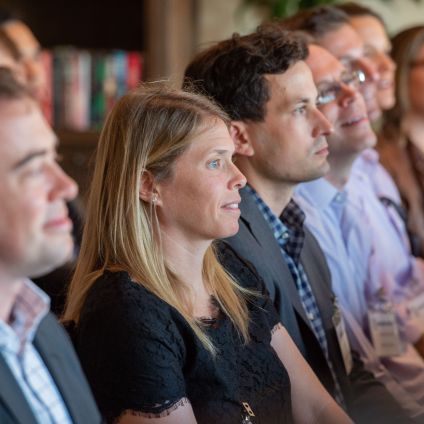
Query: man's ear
{"x": 241, "y": 138}
{"x": 148, "y": 191}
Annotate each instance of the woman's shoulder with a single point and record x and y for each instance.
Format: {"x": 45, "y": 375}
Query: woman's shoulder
{"x": 116, "y": 294}
{"x": 118, "y": 285}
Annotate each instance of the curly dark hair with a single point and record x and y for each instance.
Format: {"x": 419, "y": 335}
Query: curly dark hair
{"x": 316, "y": 21}
{"x": 232, "y": 72}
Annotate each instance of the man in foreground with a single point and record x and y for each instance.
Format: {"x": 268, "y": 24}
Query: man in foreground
{"x": 40, "y": 377}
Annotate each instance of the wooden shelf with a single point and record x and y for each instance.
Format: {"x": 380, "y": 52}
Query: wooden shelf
{"x": 78, "y": 138}
{"x": 77, "y": 150}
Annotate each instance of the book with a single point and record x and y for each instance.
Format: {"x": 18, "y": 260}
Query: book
{"x": 87, "y": 84}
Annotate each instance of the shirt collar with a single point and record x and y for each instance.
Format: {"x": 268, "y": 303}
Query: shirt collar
{"x": 369, "y": 157}
{"x": 321, "y": 193}
{"x": 274, "y": 222}
{"x": 293, "y": 216}
{"x": 288, "y": 228}
{"x": 31, "y": 305}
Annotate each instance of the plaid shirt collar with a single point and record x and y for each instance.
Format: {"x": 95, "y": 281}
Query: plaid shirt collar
{"x": 288, "y": 228}
{"x": 30, "y": 306}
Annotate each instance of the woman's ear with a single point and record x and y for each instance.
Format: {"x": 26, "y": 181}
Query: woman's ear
{"x": 147, "y": 191}
{"x": 241, "y": 139}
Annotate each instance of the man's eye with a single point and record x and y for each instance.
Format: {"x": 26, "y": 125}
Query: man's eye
{"x": 213, "y": 164}
{"x": 326, "y": 97}
{"x": 35, "y": 171}
{"x": 300, "y": 109}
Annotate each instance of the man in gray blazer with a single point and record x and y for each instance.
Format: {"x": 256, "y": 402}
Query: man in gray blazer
{"x": 264, "y": 84}
{"x": 41, "y": 380}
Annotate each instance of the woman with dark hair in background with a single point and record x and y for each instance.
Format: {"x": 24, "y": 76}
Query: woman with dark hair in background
{"x": 401, "y": 144}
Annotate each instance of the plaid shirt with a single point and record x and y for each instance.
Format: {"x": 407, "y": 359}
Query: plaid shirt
{"x": 289, "y": 233}
{"x": 26, "y": 365}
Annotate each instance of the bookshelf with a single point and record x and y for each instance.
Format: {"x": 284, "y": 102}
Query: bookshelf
{"x": 163, "y": 30}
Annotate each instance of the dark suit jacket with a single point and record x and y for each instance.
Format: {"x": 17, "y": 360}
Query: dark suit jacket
{"x": 59, "y": 357}
{"x": 367, "y": 399}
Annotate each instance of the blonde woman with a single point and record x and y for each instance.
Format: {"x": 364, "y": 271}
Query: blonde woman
{"x": 164, "y": 334}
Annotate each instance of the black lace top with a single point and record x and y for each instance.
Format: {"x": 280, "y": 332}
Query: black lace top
{"x": 139, "y": 354}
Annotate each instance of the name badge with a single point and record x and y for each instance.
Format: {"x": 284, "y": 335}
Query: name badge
{"x": 339, "y": 325}
{"x": 384, "y": 331}
{"x": 416, "y": 308}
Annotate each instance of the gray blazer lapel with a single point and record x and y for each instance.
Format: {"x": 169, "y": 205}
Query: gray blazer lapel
{"x": 259, "y": 228}
{"x": 319, "y": 276}
{"x": 12, "y": 398}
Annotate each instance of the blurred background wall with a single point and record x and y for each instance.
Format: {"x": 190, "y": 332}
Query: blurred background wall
{"x": 220, "y": 18}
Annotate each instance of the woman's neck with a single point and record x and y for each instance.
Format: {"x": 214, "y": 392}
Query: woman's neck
{"x": 185, "y": 259}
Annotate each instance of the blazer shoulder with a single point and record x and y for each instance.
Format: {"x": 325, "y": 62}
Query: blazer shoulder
{"x": 50, "y": 327}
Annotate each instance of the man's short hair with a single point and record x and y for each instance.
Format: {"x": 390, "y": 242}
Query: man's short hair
{"x": 10, "y": 89}
{"x": 232, "y": 72}
{"x": 316, "y": 21}
{"x": 354, "y": 9}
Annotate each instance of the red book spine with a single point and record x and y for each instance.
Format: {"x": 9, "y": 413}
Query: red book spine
{"x": 134, "y": 69}
{"x": 46, "y": 101}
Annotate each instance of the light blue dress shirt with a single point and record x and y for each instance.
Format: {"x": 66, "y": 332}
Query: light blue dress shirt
{"x": 343, "y": 229}
{"x": 391, "y": 264}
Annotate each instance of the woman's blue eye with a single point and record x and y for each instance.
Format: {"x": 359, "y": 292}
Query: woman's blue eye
{"x": 213, "y": 164}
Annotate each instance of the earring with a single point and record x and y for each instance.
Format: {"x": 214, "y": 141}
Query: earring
{"x": 154, "y": 198}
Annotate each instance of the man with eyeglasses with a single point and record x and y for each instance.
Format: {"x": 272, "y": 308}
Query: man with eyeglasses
{"x": 331, "y": 29}
{"x": 332, "y": 214}
{"x": 392, "y": 261}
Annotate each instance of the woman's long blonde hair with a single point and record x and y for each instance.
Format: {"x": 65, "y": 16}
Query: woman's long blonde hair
{"x": 146, "y": 130}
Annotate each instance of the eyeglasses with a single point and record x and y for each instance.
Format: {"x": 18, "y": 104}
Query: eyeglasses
{"x": 349, "y": 78}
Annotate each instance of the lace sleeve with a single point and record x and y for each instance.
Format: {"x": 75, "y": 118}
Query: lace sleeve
{"x": 132, "y": 351}
{"x": 164, "y": 412}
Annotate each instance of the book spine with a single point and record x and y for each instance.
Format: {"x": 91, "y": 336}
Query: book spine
{"x": 87, "y": 84}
